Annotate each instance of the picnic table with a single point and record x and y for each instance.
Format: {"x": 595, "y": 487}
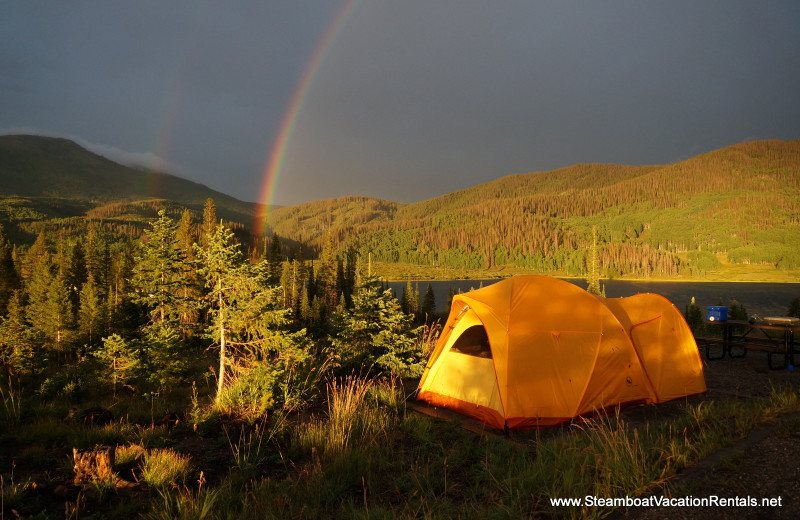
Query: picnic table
{"x": 774, "y": 338}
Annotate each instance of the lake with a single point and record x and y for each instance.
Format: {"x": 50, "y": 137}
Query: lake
{"x": 763, "y": 299}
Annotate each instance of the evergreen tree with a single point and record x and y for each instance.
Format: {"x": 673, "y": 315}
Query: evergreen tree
{"x": 9, "y": 281}
{"x": 62, "y": 257}
{"x": 247, "y": 319}
{"x": 103, "y": 271}
{"x": 60, "y": 315}
{"x": 92, "y": 252}
{"x": 286, "y": 285}
{"x": 38, "y": 251}
{"x": 295, "y": 284}
{"x": 220, "y": 264}
{"x": 163, "y": 353}
{"x": 49, "y": 309}
{"x": 428, "y": 307}
{"x": 77, "y": 273}
{"x": 120, "y": 359}
{"x": 409, "y": 302}
{"x": 694, "y": 316}
{"x": 450, "y": 293}
{"x": 274, "y": 259}
{"x": 17, "y": 259}
{"x": 325, "y": 286}
{"x": 18, "y": 340}
{"x": 305, "y": 306}
{"x": 126, "y": 315}
{"x": 737, "y": 311}
{"x": 377, "y": 331}
{"x": 186, "y": 234}
{"x": 594, "y": 267}
{"x": 92, "y": 313}
{"x": 160, "y": 274}
{"x": 210, "y": 222}
{"x": 341, "y": 284}
{"x": 794, "y": 308}
{"x": 350, "y": 270}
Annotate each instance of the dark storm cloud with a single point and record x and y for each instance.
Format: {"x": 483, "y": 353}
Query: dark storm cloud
{"x": 414, "y": 98}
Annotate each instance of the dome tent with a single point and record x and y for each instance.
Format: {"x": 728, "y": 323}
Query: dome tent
{"x": 534, "y": 351}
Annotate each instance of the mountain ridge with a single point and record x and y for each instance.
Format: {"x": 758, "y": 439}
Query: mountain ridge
{"x": 37, "y": 166}
{"x": 734, "y": 204}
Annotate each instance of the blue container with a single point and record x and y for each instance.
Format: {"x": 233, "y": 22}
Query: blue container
{"x": 716, "y": 313}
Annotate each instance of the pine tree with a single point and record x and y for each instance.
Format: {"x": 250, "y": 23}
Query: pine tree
{"x": 91, "y": 313}
{"x": 120, "y": 359}
{"x": 325, "y": 286}
{"x": 18, "y": 340}
{"x": 305, "y": 306}
{"x": 210, "y": 222}
{"x": 246, "y": 319}
{"x": 594, "y": 267}
{"x": 428, "y": 307}
{"x": 295, "y": 284}
{"x": 350, "y": 275}
{"x": 49, "y": 309}
{"x": 186, "y": 235}
{"x": 77, "y": 274}
{"x": 35, "y": 254}
{"x": 694, "y": 316}
{"x": 92, "y": 252}
{"x": 286, "y": 284}
{"x": 274, "y": 259}
{"x": 450, "y": 294}
{"x": 160, "y": 274}
{"x": 9, "y": 282}
{"x": 125, "y": 314}
{"x": 377, "y": 331}
{"x": 794, "y": 308}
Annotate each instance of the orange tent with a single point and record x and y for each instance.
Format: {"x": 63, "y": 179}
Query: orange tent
{"x": 535, "y": 351}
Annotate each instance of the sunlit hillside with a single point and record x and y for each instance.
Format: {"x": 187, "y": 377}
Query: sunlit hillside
{"x": 650, "y": 220}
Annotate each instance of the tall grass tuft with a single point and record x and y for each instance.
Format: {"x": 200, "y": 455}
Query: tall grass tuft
{"x": 189, "y": 505}
{"x": 355, "y": 417}
{"x": 250, "y": 449}
{"x": 12, "y": 410}
{"x": 624, "y": 462}
{"x": 165, "y": 467}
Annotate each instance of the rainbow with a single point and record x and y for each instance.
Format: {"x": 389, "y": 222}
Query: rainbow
{"x": 272, "y": 169}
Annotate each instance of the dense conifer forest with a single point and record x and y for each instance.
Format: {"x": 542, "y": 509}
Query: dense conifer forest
{"x": 737, "y": 203}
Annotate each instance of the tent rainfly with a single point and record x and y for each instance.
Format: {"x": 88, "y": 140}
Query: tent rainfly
{"x": 533, "y": 351}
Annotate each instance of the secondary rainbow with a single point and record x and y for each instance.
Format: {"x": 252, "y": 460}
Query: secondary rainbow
{"x": 273, "y": 167}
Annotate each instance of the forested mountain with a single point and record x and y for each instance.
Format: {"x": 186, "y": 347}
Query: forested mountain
{"x": 62, "y": 175}
{"x": 740, "y": 201}
{"x": 737, "y": 204}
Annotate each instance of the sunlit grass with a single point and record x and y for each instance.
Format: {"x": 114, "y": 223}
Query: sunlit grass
{"x": 165, "y": 467}
{"x": 354, "y": 417}
{"x": 129, "y": 454}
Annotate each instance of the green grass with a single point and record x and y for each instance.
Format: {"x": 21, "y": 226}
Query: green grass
{"x": 395, "y": 464}
{"x": 165, "y": 467}
{"x": 363, "y": 454}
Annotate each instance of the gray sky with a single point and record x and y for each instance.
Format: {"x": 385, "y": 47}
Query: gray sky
{"x": 414, "y": 99}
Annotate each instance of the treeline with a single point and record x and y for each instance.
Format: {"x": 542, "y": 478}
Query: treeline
{"x": 139, "y": 314}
